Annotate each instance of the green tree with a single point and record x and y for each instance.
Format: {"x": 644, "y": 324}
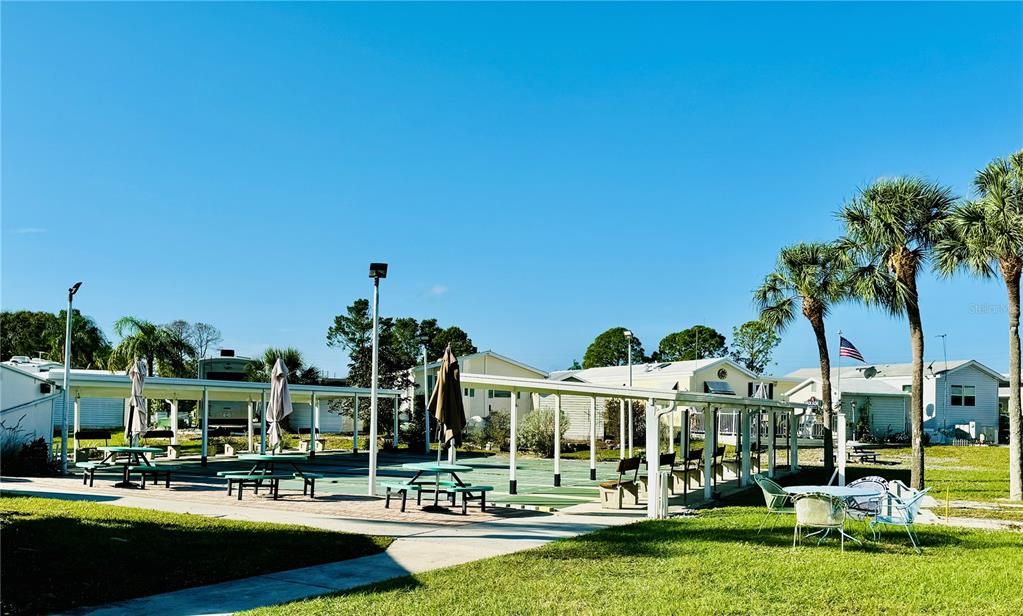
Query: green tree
{"x": 697, "y": 342}
{"x": 408, "y": 341}
{"x": 987, "y": 234}
{"x": 161, "y": 347}
{"x": 428, "y": 333}
{"x": 753, "y": 343}
{"x": 575, "y": 365}
{"x": 31, "y": 333}
{"x": 810, "y": 278}
{"x": 892, "y": 227}
{"x": 460, "y": 342}
{"x": 298, "y": 371}
{"x": 611, "y": 348}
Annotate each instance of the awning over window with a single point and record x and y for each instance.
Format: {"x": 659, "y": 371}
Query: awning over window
{"x": 717, "y": 387}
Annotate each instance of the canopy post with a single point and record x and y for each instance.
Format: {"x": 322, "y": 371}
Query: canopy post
{"x": 708, "y": 452}
{"x": 513, "y": 445}
{"x": 745, "y": 473}
{"x": 653, "y": 457}
{"x": 250, "y": 413}
{"x": 771, "y": 453}
{"x": 671, "y": 432}
{"x": 557, "y": 440}
{"x": 793, "y": 442}
{"x": 683, "y": 436}
{"x": 77, "y": 424}
{"x": 621, "y": 429}
{"x": 630, "y": 428}
{"x": 593, "y": 438}
{"x": 174, "y": 421}
{"x": 841, "y": 429}
{"x": 262, "y": 422}
{"x": 355, "y": 426}
{"x": 394, "y": 408}
{"x": 205, "y": 424}
{"x": 313, "y": 404}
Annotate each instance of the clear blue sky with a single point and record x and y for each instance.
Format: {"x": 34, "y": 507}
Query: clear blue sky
{"x": 532, "y": 173}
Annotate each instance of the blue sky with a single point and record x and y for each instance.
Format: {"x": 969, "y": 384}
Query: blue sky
{"x": 532, "y": 173}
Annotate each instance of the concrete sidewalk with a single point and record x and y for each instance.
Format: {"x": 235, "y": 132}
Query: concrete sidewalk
{"x": 409, "y": 554}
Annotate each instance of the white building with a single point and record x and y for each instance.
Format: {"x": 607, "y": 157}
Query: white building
{"x": 964, "y": 395}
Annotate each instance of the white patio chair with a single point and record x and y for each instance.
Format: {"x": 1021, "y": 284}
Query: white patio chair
{"x": 896, "y": 511}
{"x": 778, "y": 501}
{"x": 862, "y": 507}
{"x": 821, "y": 511}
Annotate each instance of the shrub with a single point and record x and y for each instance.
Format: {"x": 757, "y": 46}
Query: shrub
{"x": 497, "y": 429}
{"x": 536, "y": 433}
{"x": 611, "y": 411}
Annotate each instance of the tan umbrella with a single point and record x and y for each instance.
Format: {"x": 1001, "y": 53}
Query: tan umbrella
{"x": 279, "y": 405}
{"x": 135, "y": 424}
{"x": 446, "y": 402}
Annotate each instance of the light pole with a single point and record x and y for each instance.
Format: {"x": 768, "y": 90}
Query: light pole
{"x": 426, "y": 403}
{"x": 628, "y": 343}
{"x": 944, "y": 379}
{"x": 67, "y": 378}
{"x": 376, "y": 272}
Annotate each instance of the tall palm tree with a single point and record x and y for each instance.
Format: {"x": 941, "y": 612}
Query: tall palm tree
{"x": 298, "y": 371}
{"x": 809, "y": 277}
{"x": 157, "y": 344}
{"x": 987, "y": 233}
{"x": 892, "y": 227}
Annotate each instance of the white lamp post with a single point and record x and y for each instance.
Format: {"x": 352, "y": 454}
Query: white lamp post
{"x": 67, "y": 378}
{"x": 376, "y": 272}
{"x": 628, "y": 343}
{"x": 426, "y": 403}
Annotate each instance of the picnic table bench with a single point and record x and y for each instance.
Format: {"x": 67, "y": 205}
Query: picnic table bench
{"x": 856, "y": 452}
{"x": 154, "y": 471}
{"x": 89, "y": 470}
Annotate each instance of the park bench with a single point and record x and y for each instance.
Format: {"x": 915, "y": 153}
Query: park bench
{"x": 89, "y": 470}
{"x": 256, "y": 479}
{"x": 309, "y": 482}
{"x": 154, "y": 471}
{"x": 619, "y": 487}
{"x": 303, "y": 440}
{"x": 666, "y": 459}
{"x": 91, "y": 435}
{"x": 401, "y": 487}
{"x": 467, "y": 495}
{"x": 858, "y": 453}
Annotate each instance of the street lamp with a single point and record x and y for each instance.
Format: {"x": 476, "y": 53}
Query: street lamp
{"x": 426, "y": 403}
{"x": 376, "y": 272}
{"x": 628, "y": 343}
{"x": 67, "y": 374}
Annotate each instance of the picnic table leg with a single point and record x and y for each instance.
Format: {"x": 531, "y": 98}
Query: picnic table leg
{"x": 387, "y": 498}
{"x": 241, "y": 485}
{"x": 404, "y": 497}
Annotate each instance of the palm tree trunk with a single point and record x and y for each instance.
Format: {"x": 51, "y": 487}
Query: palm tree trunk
{"x": 916, "y": 405}
{"x": 1011, "y": 270}
{"x": 817, "y": 322}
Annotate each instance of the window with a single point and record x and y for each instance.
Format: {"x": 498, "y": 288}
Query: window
{"x": 964, "y": 395}
{"x": 469, "y": 392}
{"x": 497, "y": 393}
{"x": 907, "y": 389}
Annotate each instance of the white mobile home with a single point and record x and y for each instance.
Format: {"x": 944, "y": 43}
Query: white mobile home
{"x": 964, "y": 394}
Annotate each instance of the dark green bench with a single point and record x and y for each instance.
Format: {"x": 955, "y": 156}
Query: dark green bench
{"x": 89, "y": 470}
{"x": 466, "y": 492}
{"x": 154, "y": 471}
{"x": 309, "y": 482}
{"x": 256, "y": 479}
{"x": 401, "y": 487}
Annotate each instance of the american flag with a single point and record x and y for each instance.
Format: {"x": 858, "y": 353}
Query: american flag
{"x": 846, "y": 349}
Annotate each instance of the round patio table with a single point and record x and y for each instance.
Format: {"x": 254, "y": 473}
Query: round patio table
{"x": 837, "y": 491}
{"x": 126, "y": 457}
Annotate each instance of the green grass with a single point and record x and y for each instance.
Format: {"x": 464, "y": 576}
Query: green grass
{"x": 713, "y": 563}
{"x": 60, "y": 554}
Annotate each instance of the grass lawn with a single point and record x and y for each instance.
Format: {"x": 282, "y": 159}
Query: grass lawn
{"x": 712, "y": 563}
{"x": 49, "y": 546}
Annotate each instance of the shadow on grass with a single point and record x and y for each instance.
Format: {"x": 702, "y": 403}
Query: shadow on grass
{"x": 60, "y": 560}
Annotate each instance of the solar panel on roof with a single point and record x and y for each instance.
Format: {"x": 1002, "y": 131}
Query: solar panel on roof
{"x": 718, "y": 387}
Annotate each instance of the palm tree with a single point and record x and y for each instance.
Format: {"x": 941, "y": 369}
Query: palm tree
{"x": 298, "y": 371}
{"x": 157, "y": 344}
{"x": 892, "y": 227}
{"x": 986, "y": 233}
{"x": 809, "y": 277}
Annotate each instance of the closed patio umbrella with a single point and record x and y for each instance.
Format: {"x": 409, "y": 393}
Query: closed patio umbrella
{"x": 135, "y": 424}
{"x": 446, "y": 402}
{"x": 279, "y": 405}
